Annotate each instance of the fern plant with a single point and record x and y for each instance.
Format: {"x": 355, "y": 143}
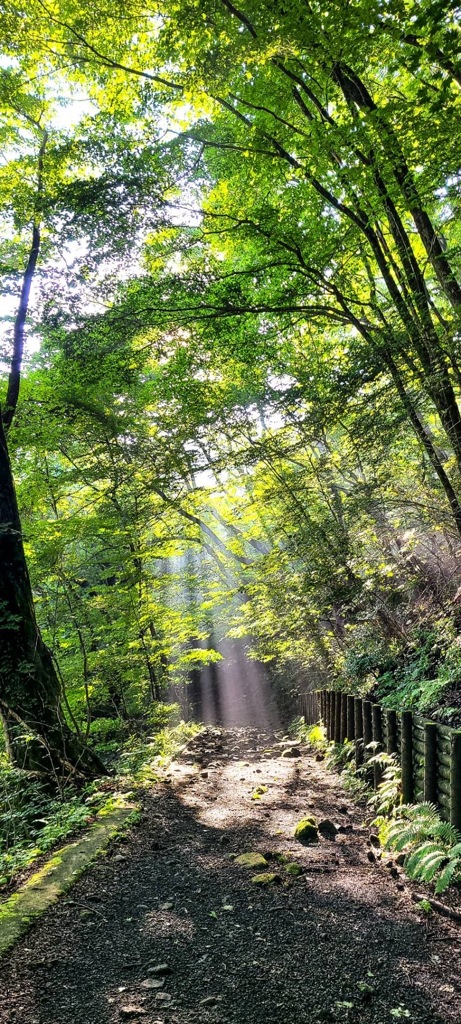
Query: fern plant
{"x": 432, "y": 846}
{"x": 389, "y": 792}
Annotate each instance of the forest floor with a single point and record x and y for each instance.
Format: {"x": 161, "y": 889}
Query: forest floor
{"x": 168, "y": 929}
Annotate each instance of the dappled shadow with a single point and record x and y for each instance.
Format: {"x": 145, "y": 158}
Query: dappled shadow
{"x": 282, "y": 954}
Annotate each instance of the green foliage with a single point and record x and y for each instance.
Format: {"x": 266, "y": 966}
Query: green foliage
{"x": 32, "y": 821}
{"x": 314, "y": 735}
{"x": 389, "y": 792}
{"x": 340, "y": 755}
{"x": 432, "y": 846}
{"x": 239, "y": 416}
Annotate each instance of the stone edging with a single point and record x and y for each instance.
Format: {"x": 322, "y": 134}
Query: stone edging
{"x": 63, "y": 868}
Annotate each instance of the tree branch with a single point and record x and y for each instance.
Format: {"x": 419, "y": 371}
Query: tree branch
{"x": 14, "y": 379}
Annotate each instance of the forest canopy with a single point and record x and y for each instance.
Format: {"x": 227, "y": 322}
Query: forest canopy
{"x": 231, "y": 379}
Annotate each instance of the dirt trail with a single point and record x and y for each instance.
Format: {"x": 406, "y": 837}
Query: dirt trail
{"x": 340, "y": 942}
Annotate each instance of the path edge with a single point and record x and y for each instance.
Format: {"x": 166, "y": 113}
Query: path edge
{"x": 61, "y": 870}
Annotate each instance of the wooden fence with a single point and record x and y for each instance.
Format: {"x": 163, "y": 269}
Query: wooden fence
{"x": 430, "y": 753}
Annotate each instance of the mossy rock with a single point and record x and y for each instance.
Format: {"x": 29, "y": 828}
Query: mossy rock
{"x": 294, "y": 869}
{"x": 306, "y": 831}
{"x": 266, "y": 878}
{"x": 251, "y": 860}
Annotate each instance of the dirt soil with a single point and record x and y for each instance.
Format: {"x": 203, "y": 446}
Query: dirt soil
{"x": 168, "y": 929}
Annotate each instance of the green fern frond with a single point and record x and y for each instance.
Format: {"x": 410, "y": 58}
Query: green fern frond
{"x": 447, "y": 875}
{"x": 428, "y": 867}
{"x": 447, "y": 833}
{"x": 433, "y": 846}
{"x": 414, "y": 860}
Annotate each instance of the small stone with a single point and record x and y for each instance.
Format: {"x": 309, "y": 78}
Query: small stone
{"x": 151, "y": 983}
{"x": 291, "y": 752}
{"x": 400, "y": 886}
{"x": 209, "y": 1001}
{"x": 251, "y": 860}
{"x": 86, "y": 915}
{"x": 371, "y": 856}
{"x": 320, "y": 757}
{"x": 266, "y": 878}
{"x": 374, "y": 840}
{"x": 132, "y": 1011}
{"x": 159, "y": 969}
{"x": 163, "y": 997}
{"x": 306, "y": 831}
{"x": 327, "y": 829}
{"x": 204, "y": 775}
{"x": 118, "y": 858}
{"x": 166, "y": 906}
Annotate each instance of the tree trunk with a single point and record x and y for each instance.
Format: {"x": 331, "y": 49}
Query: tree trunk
{"x": 38, "y": 739}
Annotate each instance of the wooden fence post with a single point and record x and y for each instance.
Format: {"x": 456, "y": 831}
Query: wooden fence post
{"x": 406, "y": 757}
{"x": 337, "y": 718}
{"x": 430, "y": 762}
{"x": 391, "y": 722}
{"x": 344, "y": 716}
{"x": 377, "y": 733}
{"x": 327, "y": 714}
{"x": 455, "y": 780}
{"x": 358, "y": 730}
{"x": 350, "y": 719}
{"x": 367, "y": 728}
{"x": 343, "y": 700}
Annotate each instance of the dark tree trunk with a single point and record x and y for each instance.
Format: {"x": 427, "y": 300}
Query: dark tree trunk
{"x": 37, "y": 737}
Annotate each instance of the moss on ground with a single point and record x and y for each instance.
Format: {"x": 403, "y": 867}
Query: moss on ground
{"x": 45, "y": 886}
{"x": 251, "y": 860}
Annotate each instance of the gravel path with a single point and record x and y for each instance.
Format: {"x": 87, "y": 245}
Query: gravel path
{"x": 170, "y": 908}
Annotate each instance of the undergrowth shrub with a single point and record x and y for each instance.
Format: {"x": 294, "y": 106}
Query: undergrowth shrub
{"x": 432, "y": 847}
{"x": 31, "y": 821}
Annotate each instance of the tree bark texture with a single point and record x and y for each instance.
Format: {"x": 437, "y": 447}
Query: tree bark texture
{"x": 37, "y": 737}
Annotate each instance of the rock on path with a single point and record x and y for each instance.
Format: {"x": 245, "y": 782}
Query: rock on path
{"x": 175, "y": 932}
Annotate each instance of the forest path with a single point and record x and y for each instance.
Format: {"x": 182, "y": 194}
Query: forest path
{"x": 339, "y": 942}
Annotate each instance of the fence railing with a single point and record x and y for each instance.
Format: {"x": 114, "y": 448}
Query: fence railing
{"x": 429, "y": 753}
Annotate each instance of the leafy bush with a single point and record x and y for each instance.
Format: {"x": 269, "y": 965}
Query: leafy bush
{"x": 31, "y": 822}
{"x": 340, "y": 754}
{"x": 432, "y": 846}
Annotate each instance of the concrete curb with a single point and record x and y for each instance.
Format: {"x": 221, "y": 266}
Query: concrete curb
{"x": 63, "y": 868}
